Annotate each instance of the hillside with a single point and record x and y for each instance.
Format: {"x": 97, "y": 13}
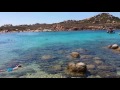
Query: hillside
{"x": 102, "y": 18}
{"x": 100, "y": 21}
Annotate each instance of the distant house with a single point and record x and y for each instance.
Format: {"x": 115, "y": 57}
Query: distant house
{"x": 47, "y": 30}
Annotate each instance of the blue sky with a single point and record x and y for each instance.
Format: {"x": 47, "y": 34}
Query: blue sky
{"x": 17, "y": 18}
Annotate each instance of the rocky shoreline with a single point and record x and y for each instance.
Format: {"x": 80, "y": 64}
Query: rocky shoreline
{"x": 51, "y": 30}
{"x": 99, "y": 22}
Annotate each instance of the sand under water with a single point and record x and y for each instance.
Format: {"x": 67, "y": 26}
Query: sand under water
{"x": 47, "y": 54}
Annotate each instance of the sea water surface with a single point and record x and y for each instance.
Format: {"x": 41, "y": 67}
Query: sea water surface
{"x": 46, "y": 54}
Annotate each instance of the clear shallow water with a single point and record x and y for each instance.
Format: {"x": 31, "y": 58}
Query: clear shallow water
{"x": 28, "y": 48}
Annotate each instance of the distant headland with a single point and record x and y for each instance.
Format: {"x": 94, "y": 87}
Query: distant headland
{"x": 99, "y": 22}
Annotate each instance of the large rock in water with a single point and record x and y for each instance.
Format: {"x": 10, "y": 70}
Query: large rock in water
{"x": 81, "y": 67}
{"x": 78, "y": 69}
{"x": 114, "y": 46}
{"x": 71, "y": 67}
{"x": 75, "y": 54}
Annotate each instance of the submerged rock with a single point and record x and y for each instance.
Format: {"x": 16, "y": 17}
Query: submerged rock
{"x": 86, "y": 57}
{"x": 57, "y": 67}
{"x": 90, "y": 67}
{"x": 106, "y": 68}
{"x": 108, "y": 74}
{"x": 97, "y": 58}
{"x": 46, "y": 57}
{"x": 81, "y": 50}
{"x": 75, "y": 54}
{"x": 109, "y": 46}
{"x": 61, "y": 51}
{"x": 69, "y": 57}
{"x": 118, "y": 72}
{"x": 98, "y": 62}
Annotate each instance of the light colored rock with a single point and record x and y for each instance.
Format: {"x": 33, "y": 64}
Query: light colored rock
{"x": 69, "y": 57}
{"x": 85, "y": 56}
{"x": 118, "y": 72}
{"x": 46, "y": 57}
{"x": 57, "y": 67}
{"x": 98, "y": 62}
{"x": 114, "y": 46}
{"x": 97, "y": 58}
{"x": 75, "y": 54}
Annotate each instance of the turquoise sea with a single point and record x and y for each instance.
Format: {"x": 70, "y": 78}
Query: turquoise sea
{"x": 46, "y": 54}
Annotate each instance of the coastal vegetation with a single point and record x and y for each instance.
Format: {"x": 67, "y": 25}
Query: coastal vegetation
{"x": 99, "y": 22}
